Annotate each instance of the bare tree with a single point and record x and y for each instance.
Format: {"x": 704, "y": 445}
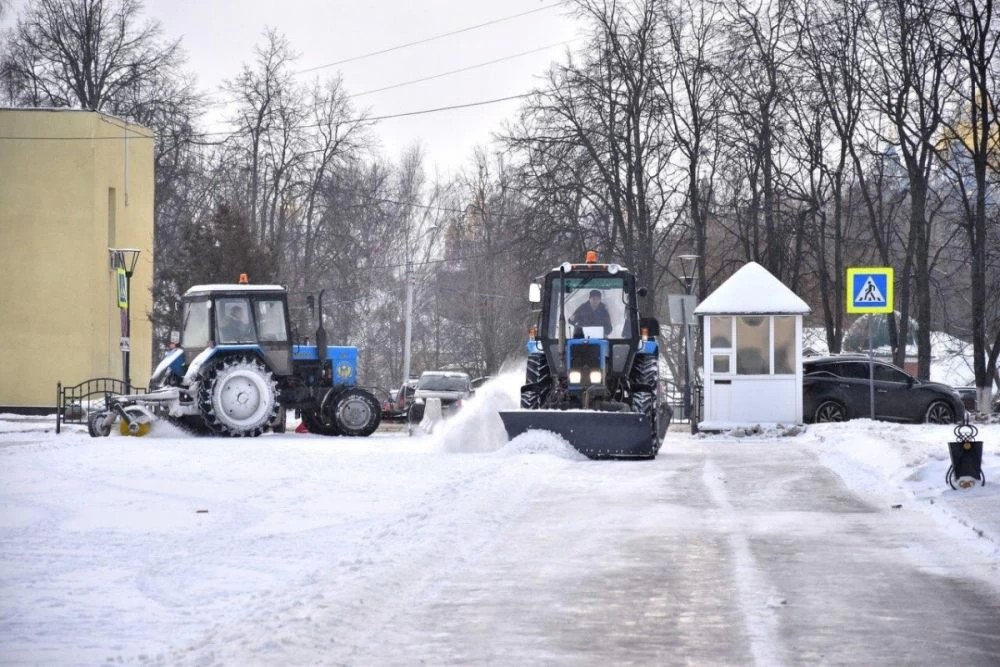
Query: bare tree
{"x": 693, "y": 97}
{"x": 337, "y": 138}
{"x": 762, "y": 47}
{"x": 260, "y": 92}
{"x": 971, "y": 156}
{"x": 830, "y": 52}
{"x": 906, "y": 84}
{"x": 597, "y": 134}
{"x": 83, "y": 53}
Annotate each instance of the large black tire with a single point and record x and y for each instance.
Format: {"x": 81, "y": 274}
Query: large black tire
{"x": 193, "y": 424}
{"x": 238, "y": 397}
{"x": 355, "y": 412}
{"x": 643, "y": 378}
{"x": 316, "y": 425}
{"x": 537, "y": 382}
{"x": 279, "y": 423}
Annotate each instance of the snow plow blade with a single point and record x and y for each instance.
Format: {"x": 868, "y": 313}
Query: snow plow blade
{"x": 596, "y": 435}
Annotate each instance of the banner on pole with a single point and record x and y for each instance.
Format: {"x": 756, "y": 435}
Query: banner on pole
{"x": 122, "y": 288}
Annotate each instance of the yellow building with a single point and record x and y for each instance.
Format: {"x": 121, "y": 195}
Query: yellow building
{"x": 71, "y": 186}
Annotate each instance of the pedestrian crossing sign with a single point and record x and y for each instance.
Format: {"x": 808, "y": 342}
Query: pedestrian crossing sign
{"x": 869, "y": 290}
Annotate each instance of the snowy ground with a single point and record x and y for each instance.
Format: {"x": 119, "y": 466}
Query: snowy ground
{"x": 460, "y": 548}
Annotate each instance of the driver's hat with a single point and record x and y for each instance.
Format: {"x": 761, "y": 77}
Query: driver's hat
{"x": 595, "y": 292}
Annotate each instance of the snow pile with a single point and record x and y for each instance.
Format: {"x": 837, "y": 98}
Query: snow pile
{"x": 163, "y": 428}
{"x": 766, "y": 431}
{"x": 542, "y": 442}
{"x": 872, "y": 456}
{"x": 477, "y": 426}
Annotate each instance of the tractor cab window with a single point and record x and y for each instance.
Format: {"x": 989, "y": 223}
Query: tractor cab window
{"x": 196, "y": 331}
{"x": 270, "y": 315}
{"x": 232, "y": 321}
{"x": 595, "y": 308}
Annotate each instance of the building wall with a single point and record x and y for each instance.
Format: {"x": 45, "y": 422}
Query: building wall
{"x": 63, "y": 184}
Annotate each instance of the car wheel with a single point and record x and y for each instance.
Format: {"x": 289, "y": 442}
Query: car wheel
{"x": 830, "y": 411}
{"x": 939, "y": 412}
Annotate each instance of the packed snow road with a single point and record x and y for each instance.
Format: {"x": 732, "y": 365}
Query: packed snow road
{"x": 454, "y": 549}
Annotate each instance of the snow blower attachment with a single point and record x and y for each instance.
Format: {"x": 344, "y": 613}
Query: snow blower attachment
{"x": 593, "y": 372}
{"x": 237, "y": 372}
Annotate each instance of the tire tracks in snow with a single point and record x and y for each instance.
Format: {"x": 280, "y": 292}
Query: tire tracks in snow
{"x": 340, "y": 611}
{"x": 760, "y": 621}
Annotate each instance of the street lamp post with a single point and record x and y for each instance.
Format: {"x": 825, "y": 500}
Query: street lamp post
{"x": 689, "y": 264}
{"x": 123, "y": 261}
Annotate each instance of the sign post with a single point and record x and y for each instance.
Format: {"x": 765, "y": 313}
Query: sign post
{"x": 870, "y": 292}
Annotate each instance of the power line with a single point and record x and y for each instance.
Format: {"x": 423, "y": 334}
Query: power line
{"x": 427, "y": 39}
{"x": 360, "y": 119}
{"x": 462, "y": 69}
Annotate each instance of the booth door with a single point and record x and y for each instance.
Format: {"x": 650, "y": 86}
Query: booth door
{"x": 722, "y": 394}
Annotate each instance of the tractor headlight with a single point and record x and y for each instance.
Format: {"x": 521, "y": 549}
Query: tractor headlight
{"x": 595, "y": 377}
{"x": 575, "y": 377}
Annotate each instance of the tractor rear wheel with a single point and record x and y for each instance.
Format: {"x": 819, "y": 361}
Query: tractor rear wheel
{"x": 238, "y": 397}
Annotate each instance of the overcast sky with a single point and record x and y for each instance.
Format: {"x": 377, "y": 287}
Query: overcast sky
{"x": 219, "y": 35}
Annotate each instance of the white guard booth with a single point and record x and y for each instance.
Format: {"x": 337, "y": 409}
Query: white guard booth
{"x": 753, "y": 352}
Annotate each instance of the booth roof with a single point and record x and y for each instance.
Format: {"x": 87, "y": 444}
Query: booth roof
{"x": 752, "y": 289}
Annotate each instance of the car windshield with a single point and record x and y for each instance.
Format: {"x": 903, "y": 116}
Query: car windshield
{"x": 595, "y": 308}
{"x": 443, "y": 383}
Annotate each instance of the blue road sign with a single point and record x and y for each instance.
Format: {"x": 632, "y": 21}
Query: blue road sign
{"x": 869, "y": 290}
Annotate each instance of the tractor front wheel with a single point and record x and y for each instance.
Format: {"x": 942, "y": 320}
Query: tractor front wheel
{"x": 356, "y": 412}
{"x": 238, "y": 397}
{"x": 645, "y": 374}
{"x": 99, "y": 423}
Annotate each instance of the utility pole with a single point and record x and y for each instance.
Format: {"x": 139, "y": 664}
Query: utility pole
{"x": 410, "y": 284}
{"x": 409, "y": 318}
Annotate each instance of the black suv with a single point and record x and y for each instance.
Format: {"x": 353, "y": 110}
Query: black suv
{"x": 836, "y": 388}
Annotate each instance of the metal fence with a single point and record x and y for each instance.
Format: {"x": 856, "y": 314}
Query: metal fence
{"x": 74, "y": 404}
{"x": 673, "y": 395}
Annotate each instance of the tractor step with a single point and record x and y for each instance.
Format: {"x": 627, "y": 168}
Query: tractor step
{"x": 596, "y": 435}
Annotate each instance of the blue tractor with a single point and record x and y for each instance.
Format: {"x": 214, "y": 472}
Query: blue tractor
{"x": 593, "y": 364}
{"x": 237, "y": 372}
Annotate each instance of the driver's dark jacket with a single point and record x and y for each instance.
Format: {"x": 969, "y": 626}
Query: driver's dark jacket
{"x": 585, "y": 316}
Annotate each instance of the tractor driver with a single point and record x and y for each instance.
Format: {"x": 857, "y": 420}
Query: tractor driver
{"x": 591, "y": 313}
{"x": 236, "y": 325}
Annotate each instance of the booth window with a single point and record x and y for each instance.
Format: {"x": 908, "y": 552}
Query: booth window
{"x": 784, "y": 346}
{"x": 753, "y": 345}
{"x": 722, "y": 332}
{"x": 720, "y": 363}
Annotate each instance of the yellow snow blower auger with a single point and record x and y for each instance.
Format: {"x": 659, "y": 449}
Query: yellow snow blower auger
{"x": 593, "y": 367}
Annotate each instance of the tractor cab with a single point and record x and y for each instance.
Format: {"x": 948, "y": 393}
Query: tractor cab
{"x": 589, "y": 327}
{"x": 235, "y": 317}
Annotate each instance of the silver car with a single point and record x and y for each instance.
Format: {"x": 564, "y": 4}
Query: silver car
{"x": 452, "y": 388}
